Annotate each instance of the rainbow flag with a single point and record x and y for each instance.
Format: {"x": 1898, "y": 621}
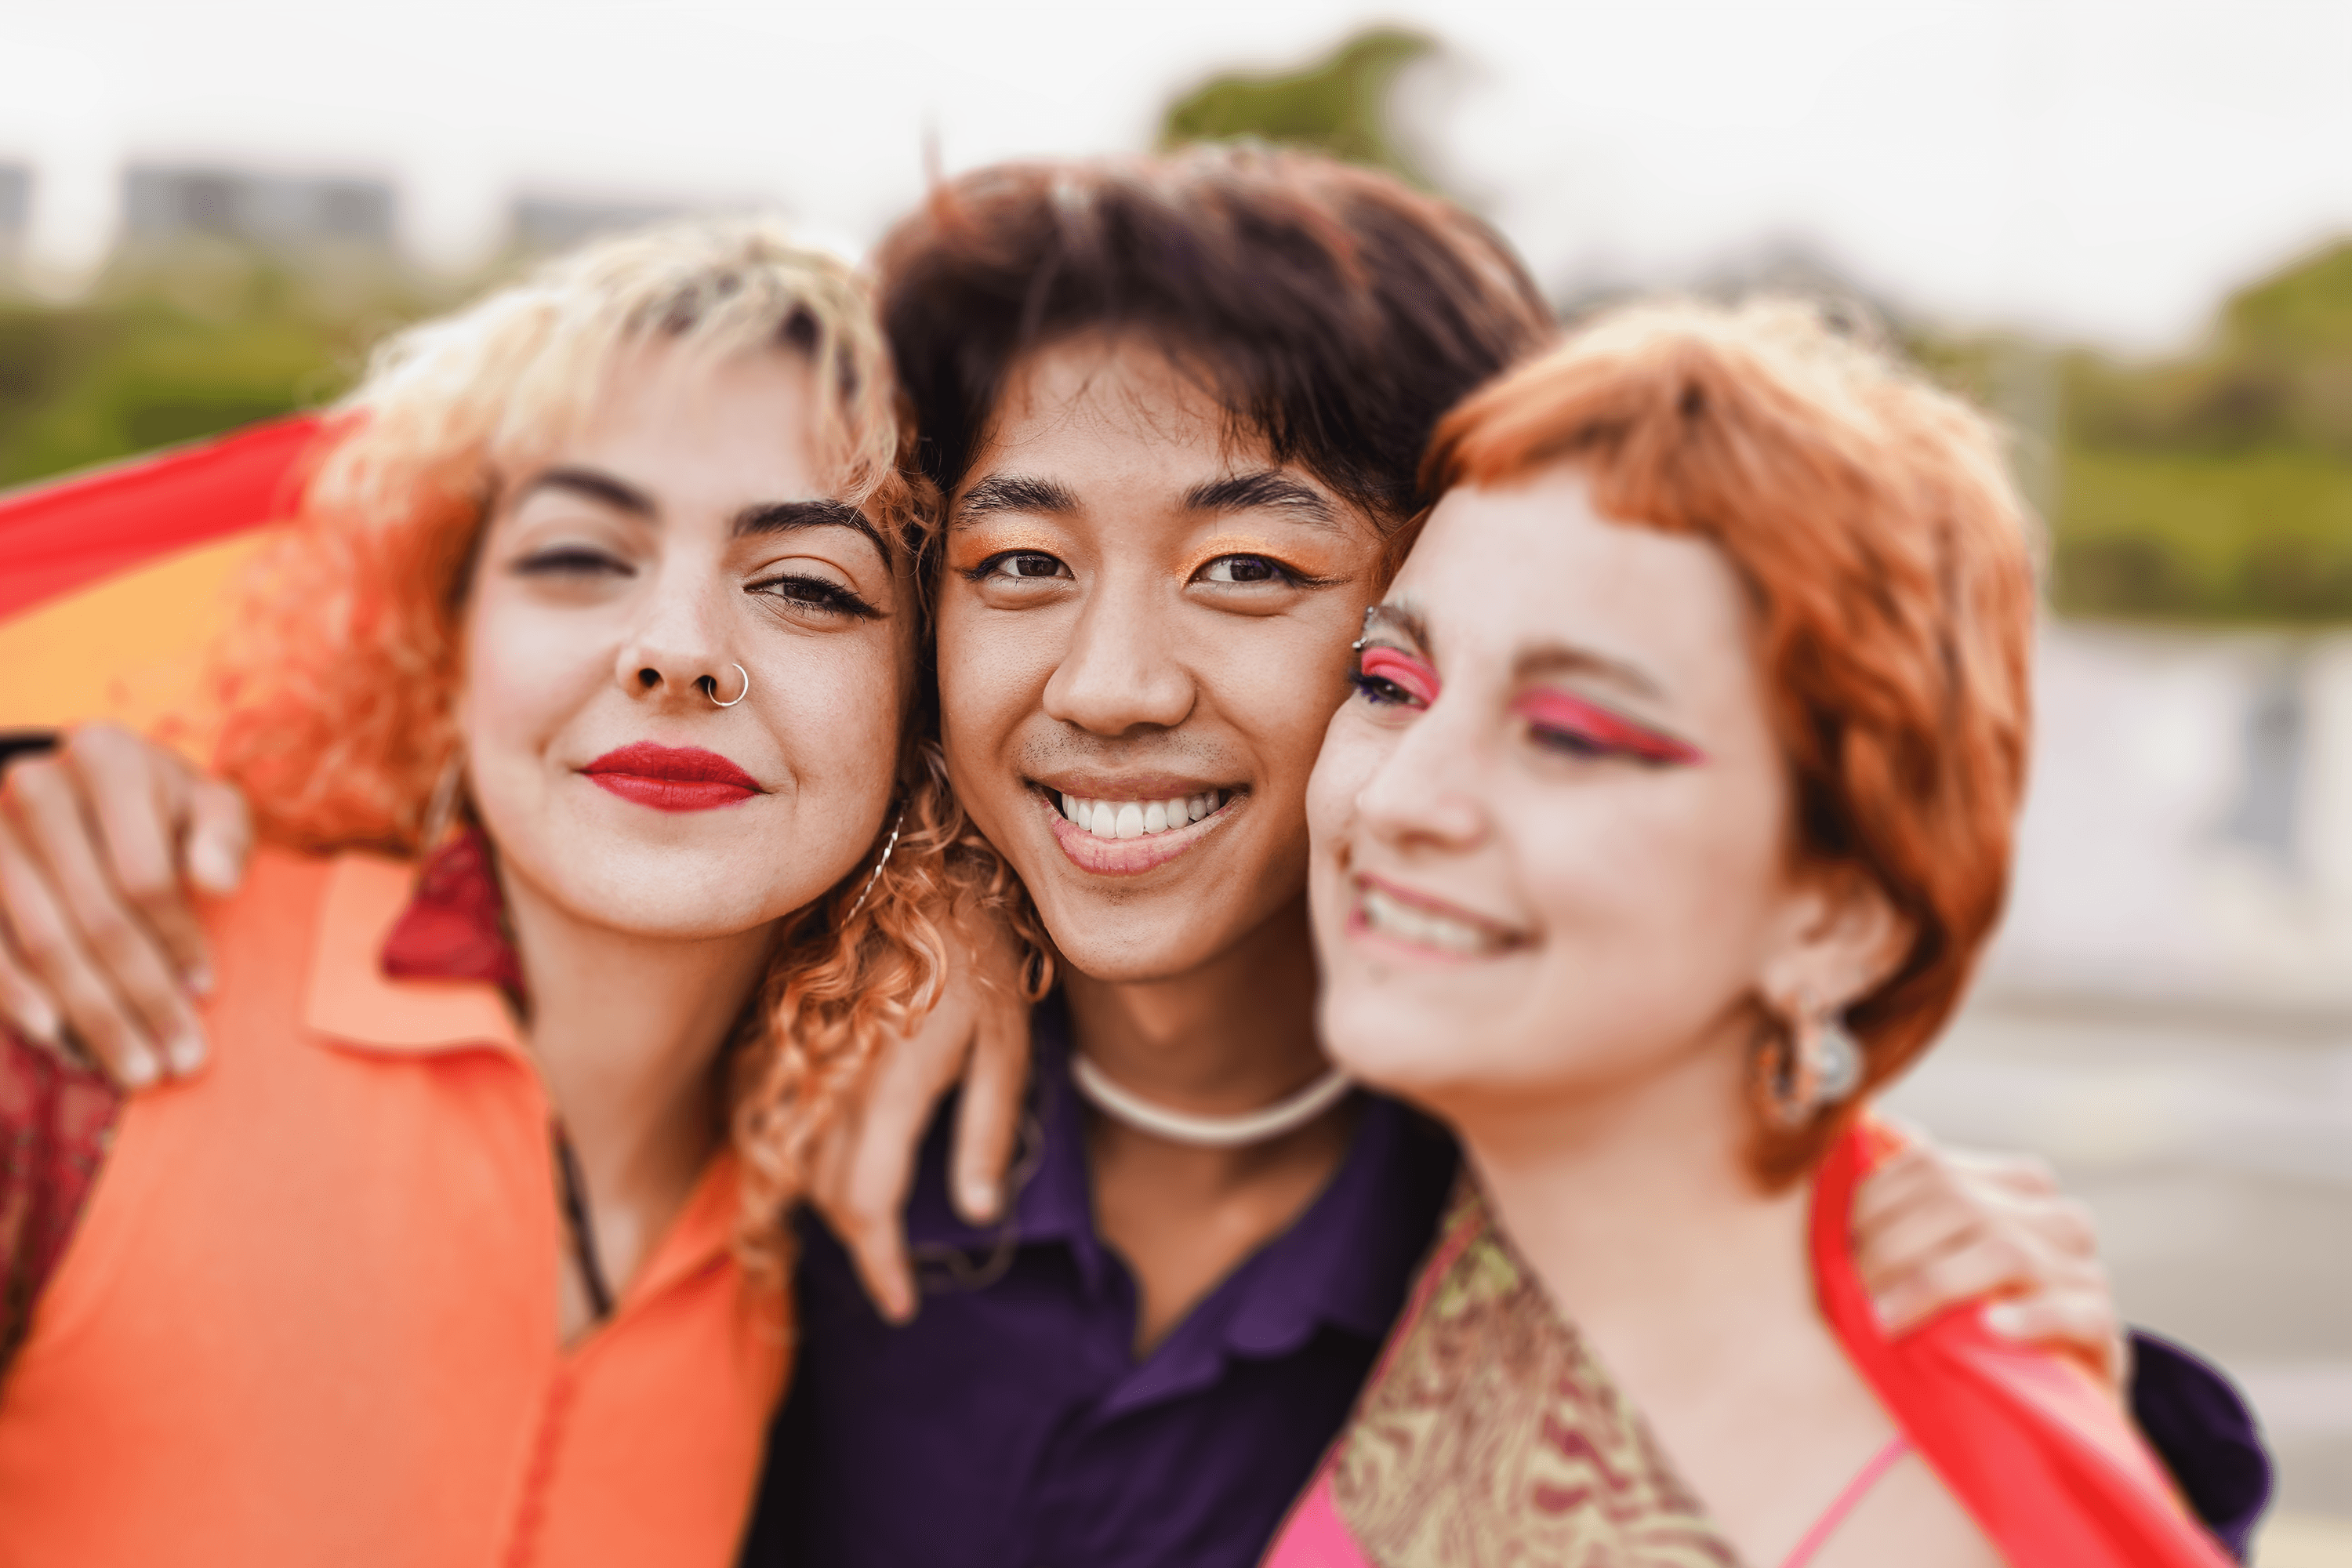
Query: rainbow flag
{"x": 114, "y": 580}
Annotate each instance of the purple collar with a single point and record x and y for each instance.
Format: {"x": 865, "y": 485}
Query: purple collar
{"x": 1337, "y": 1266}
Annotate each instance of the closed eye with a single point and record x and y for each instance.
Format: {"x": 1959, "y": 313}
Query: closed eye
{"x": 1571, "y": 726}
{"x": 573, "y": 560}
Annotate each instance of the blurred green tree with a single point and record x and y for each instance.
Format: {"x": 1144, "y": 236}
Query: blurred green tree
{"x": 1339, "y": 105}
{"x": 2218, "y": 486}
{"x": 171, "y": 347}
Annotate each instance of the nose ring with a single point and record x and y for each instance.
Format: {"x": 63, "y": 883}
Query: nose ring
{"x": 710, "y": 688}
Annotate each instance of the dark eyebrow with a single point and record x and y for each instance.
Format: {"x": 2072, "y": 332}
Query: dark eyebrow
{"x": 1015, "y": 493}
{"x": 597, "y": 486}
{"x": 782, "y": 516}
{"x": 1265, "y": 488}
{"x": 1566, "y": 659}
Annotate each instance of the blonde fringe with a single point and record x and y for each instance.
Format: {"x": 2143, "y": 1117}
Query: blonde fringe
{"x": 338, "y": 684}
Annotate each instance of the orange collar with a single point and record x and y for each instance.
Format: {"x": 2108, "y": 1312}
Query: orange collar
{"x": 352, "y": 1000}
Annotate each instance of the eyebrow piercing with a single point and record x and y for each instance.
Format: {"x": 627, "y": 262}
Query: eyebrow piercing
{"x": 710, "y": 688}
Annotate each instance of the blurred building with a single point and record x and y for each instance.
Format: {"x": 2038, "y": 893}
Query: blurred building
{"x": 2187, "y": 839}
{"x": 16, "y": 210}
{"x": 164, "y": 203}
{"x": 542, "y": 224}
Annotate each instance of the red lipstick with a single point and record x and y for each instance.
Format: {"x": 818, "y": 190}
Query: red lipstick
{"x": 671, "y": 778}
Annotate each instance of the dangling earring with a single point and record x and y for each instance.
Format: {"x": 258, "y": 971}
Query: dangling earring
{"x": 872, "y": 876}
{"x": 441, "y": 810}
{"x": 1815, "y": 1065}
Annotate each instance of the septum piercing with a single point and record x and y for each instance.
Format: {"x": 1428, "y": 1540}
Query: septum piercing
{"x": 710, "y": 688}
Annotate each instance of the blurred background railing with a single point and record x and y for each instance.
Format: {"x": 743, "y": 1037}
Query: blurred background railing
{"x": 2168, "y": 1013}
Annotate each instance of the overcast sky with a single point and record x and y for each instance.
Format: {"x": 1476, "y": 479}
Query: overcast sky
{"x": 2102, "y": 169}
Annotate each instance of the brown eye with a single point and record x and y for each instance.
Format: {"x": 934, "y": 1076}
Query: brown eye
{"x": 1024, "y": 566}
{"x": 1244, "y": 569}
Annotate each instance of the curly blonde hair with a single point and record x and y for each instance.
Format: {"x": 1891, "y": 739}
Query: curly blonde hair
{"x": 339, "y": 685}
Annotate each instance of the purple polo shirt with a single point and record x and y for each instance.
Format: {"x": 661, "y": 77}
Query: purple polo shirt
{"x": 1011, "y": 1423}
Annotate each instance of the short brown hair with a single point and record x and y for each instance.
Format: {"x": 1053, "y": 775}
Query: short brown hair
{"x": 1890, "y": 562}
{"x": 1335, "y": 310}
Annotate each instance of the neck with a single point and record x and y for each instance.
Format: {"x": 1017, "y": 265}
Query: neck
{"x": 628, "y": 1030}
{"x": 1234, "y": 1035}
{"x": 1635, "y": 1204}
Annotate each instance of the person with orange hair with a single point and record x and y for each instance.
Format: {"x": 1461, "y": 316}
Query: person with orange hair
{"x": 1672, "y": 811}
{"x": 578, "y": 710}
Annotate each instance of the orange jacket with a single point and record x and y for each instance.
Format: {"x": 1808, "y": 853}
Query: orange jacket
{"x": 309, "y": 1315}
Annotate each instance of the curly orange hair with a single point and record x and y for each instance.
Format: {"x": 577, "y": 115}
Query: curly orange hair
{"x": 1890, "y": 562}
{"x": 338, "y": 687}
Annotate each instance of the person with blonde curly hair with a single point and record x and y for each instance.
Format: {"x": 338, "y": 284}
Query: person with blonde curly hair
{"x": 579, "y": 709}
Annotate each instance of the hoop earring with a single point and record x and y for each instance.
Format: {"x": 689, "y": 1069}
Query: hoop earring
{"x": 710, "y": 688}
{"x": 1816, "y": 1066}
{"x": 874, "y": 875}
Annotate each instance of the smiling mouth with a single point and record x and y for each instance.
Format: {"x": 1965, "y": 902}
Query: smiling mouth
{"x": 1422, "y": 923}
{"x": 671, "y": 778}
{"x": 1115, "y": 835}
{"x": 1138, "y": 818}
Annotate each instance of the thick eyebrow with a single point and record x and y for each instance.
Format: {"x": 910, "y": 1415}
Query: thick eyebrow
{"x": 782, "y": 516}
{"x": 596, "y": 485}
{"x": 1265, "y": 488}
{"x": 1015, "y": 493}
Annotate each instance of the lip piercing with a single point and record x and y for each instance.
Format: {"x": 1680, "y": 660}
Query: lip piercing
{"x": 710, "y": 688}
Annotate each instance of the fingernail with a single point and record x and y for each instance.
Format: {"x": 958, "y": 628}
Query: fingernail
{"x": 186, "y": 1053}
{"x": 200, "y": 979}
{"x": 40, "y": 1021}
{"x": 211, "y": 866}
{"x": 138, "y": 1068}
{"x": 2005, "y": 1319}
{"x": 980, "y": 1200}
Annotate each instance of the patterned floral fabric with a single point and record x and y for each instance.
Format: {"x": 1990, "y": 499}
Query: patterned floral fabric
{"x": 1490, "y": 1436}
{"x": 55, "y": 1123}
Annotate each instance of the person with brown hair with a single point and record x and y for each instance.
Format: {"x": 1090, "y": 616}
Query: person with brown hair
{"x": 1667, "y": 823}
{"x": 1174, "y": 409}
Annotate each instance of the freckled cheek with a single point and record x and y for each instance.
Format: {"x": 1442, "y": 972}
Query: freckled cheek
{"x": 527, "y": 672}
{"x": 832, "y": 714}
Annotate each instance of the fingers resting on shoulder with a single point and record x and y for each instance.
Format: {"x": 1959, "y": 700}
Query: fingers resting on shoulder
{"x": 1935, "y": 1229}
{"x": 865, "y": 1164}
{"x": 102, "y": 838}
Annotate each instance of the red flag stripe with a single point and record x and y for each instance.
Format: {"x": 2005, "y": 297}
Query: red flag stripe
{"x": 61, "y": 534}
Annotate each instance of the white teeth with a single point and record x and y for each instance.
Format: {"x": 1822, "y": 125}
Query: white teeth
{"x": 1138, "y": 818}
{"x": 1423, "y": 928}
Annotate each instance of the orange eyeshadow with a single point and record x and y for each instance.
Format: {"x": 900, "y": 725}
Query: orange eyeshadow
{"x": 1300, "y": 556}
{"x": 969, "y": 546}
